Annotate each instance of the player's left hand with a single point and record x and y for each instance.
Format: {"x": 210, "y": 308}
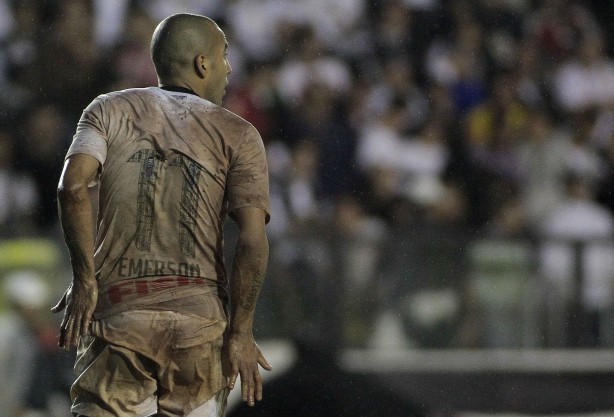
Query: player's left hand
{"x": 79, "y": 303}
{"x": 244, "y": 356}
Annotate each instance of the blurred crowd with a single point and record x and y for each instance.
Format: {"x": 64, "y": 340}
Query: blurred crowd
{"x": 487, "y": 113}
{"x": 490, "y": 118}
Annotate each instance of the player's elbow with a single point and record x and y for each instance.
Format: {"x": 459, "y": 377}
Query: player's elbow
{"x": 71, "y": 191}
{"x": 253, "y": 244}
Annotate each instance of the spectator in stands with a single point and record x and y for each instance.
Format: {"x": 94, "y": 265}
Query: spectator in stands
{"x": 309, "y": 63}
{"x": 579, "y": 219}
{"x": 321, "y": 115}
{"x": 299, "y": 190}
{"x": 492, "y": 134}
{"x": 42, "y": 146}
{"x": 360, "y": 83}
{"x": 22, "y": 330}
{"x": 583, "y": 157}
{"x": 393, "y": 31}
{"x": 256, "y": 98}
{"x": 556, "y": 26}
{"x": 359, "y": 239}
{"x": 460, "y": 60}
{"x": 22, "y": 46}
{"x": 399, "y": 80}
{"x": 542, "y": 159}
{"x": 18, "y": 191}
{"x": 528, "y": 77}
{"x": 68, "y": 66}
{"x": 132, "y": 62}
{"x": 19, "y": 49}
{"x": 256, "y": 25}
{"x": 586, "y": 80}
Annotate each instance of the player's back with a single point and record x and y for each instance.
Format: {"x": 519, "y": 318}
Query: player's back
{"x": 163, "y": 185}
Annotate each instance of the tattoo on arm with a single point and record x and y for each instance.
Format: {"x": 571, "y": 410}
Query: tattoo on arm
{"x": 248, "y": 275}
{"x": 249, "y": 301}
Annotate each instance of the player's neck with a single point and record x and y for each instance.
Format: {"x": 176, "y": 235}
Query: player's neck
{"x": 178, "y": 89}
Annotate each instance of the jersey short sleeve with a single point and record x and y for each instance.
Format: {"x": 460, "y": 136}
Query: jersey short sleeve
{"x": 248, "y": 177}
{"x": 91, "y": 135}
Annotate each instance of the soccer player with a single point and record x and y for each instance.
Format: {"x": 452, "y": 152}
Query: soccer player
{"x": 147, "y": 306}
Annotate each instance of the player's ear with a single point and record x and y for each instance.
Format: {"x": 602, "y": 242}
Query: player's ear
{"x": 200, "y": 66}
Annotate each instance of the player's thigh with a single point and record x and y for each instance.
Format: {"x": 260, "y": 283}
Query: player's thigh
{"x": 194, "y": 372}
{"x": 214, "y": 407}
{"x": 112, "y": 380}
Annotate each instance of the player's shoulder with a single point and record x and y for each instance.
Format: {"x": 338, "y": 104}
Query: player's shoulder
{"x": 231, "y": 119}
{"x": 127, "y": 93}
{"x": 118, "y": 96}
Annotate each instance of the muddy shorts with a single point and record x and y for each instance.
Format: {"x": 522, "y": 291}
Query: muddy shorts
{"x": 143, "y": 362}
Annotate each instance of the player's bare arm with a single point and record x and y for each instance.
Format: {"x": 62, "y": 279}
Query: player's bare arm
{"x": 79, "y": 300}
{"x": 249, "y": 266}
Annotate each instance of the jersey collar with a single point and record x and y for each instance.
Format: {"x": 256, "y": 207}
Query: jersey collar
{"x": 178, "y": 89}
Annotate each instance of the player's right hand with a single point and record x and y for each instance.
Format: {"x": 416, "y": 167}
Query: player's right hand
{"x": 78, "y": 303}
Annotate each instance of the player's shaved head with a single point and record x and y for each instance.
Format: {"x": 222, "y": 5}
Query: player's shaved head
{"x": 178, "y": 39}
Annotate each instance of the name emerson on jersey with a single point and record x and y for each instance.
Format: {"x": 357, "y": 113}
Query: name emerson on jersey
{"x": 155, "y": 276}
{"x": 142, "y": 267}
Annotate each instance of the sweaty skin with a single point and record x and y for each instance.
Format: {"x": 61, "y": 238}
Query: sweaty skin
{"x": 76, "y": 217}
{"x": 177, "y": 53}
{"x": 188, "y": 51}
{"x": 249, "y": 265}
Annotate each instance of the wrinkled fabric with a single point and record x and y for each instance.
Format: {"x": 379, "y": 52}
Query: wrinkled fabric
{"x": 172, "y": 166}
{"x": 139, "y": 362}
